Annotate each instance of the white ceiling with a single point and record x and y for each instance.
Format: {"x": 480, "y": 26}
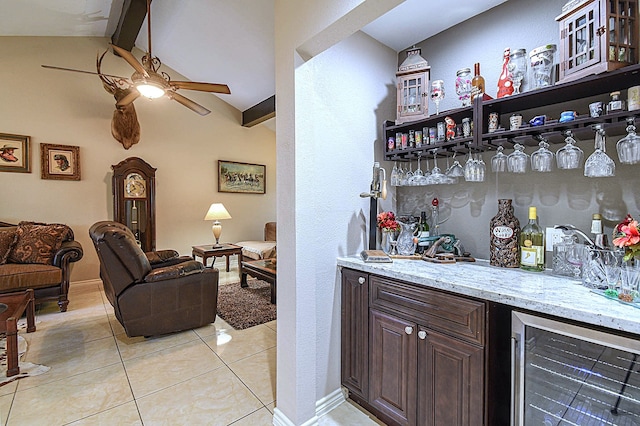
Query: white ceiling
{"x": 220, "y": 41}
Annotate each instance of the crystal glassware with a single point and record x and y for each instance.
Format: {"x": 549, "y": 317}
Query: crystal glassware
{"x": 437, "y": 93}
{"x": 629, "y": 147}
{"x": 599, "y": 164}
{"x": 456, "y": 170}
{"x": 518, "y": 68}
{"x": 499, "y": 161}
{"x": 463, "y": 86}
{"x": 518, "y": 160}
{"x": 569, "y": 156}
{"x": 542, "y": 158}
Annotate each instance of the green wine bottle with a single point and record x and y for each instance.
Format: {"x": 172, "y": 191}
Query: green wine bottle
{"x": 532, "y": 244}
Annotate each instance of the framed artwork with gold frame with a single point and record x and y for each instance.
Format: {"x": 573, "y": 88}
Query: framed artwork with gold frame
{"x": 15, "y": 153}
{"x": 60, "y": 162}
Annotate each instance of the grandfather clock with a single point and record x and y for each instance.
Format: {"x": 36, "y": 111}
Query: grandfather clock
{"x": 134, "y": 203}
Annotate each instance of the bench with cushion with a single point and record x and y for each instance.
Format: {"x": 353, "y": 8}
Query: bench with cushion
{"x": 256, "y": 250}
{"x": 38, "y": 256}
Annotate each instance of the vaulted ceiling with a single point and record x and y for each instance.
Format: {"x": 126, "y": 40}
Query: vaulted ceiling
{"x": 218, "y": 41}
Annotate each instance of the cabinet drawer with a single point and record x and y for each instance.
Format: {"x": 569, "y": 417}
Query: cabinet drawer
{"x": 455, "y": 315}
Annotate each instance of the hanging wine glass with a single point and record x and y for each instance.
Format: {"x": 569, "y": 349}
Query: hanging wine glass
{"x": 629, "y": 147}
{"x": 518, "y": 160}
{"x": 542, "y": 158}
{"x": 599, "y": 164}
{"x": 456, "y": 170}
{"x": 499, "y": 161}
{"x": 437, "y": 93}
{"x": 569, "y": 156}
{"x": 394, "y": 174}
{"x": 517, "y": 68}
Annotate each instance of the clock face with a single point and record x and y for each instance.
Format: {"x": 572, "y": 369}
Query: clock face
{"x": 135, "y": 186}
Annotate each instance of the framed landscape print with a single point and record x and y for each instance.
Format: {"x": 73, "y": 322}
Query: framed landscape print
{"x": 241, "y": 177}
{"x": 60, "y": 162}
{"x": 15, "y": 151}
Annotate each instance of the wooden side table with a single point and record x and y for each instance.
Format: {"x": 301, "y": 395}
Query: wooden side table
{"x": 226, "y": 250}
{"x": 17, "y": 303}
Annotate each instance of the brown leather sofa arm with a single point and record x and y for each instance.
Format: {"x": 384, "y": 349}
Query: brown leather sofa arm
{"x": 70, "y": 251}
{"x": 160, "y": 256}
{"x": 175, "y": 271}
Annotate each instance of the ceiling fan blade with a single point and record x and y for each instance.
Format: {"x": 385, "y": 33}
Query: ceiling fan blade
{"x": 203, "y": 87}
{"x": 188, "y": 103}
{"x": 132, "y": 96}
{"x": 82, "y": 71}
{"x": 128, "y": 56}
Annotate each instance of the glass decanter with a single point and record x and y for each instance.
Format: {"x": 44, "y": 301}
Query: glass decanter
{"x": 405, "y": 243}
{"x": 599, "y": 164}
{"x": 629, "y": 147}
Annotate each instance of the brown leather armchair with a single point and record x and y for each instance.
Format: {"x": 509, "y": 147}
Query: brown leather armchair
{"x": 154, "y": 300}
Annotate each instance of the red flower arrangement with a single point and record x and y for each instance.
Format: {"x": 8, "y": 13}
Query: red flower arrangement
{"x": 387, "y": 222}
{"x": 627, "y": 235}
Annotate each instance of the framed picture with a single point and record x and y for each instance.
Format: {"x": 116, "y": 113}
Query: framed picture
{"x": 241, "y": 177}
{"x": 60, "y": 161}
{"x": 15, "y": 153}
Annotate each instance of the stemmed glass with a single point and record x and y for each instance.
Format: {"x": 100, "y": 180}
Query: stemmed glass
{"x": 518, "y": 68}
{"x": 437, "y": 93}
{"x": 569, "y": 156}
{"x": 394, "y": 174}
{"x": 456, "y": 170}
{"x": 599, "y": 164}
{"x": 499, "y": 161}
{"x": 629, "y": 147}
{"x": 518, "y": 160}
{"x": 542, "y": 158}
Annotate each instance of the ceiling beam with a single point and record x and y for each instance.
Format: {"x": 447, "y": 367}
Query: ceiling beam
{"x": 131, "y": 19}
{"x": 259, "y": 112}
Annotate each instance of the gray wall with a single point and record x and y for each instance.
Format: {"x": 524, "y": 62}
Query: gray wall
{"x": 561, "y": 196}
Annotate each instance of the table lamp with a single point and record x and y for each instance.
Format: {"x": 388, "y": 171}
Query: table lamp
{"x": 215, "y": 213}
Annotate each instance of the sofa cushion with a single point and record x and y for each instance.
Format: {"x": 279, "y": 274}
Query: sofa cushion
{"x": 7, "y": 241}
{"x": 258, "y": 249}
{"x": 21, "y": 276}
{"x": 37, "y": 243}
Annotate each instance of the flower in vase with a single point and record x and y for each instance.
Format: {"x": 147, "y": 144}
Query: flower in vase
{"x": 387, "y": 222}
{"x": 626, "y": 235}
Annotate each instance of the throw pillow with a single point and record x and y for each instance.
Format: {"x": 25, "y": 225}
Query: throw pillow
{"x": 7, "y": 240}
{"x": 37, "y": 242}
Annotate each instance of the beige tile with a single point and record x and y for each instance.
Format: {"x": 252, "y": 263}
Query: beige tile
{"x": 132, "y": 347}
{"x": 258, "y": 372}
{"x": 232, "y": 345}
{"x": 271, "y": 406}
{"x": 214, "y": 398}
{"x": 5, "y": 406}
{"x": 161, "y": 369}
{"x": 272, "y": 325}
{"x": 262, "y": 417}
{"x": 116, "y": 327}
{"x": 9, "y": 388}
{"x": 75, "y": 398}
{"x": 348, "y": 413}
{"x": 122, "y": 415}
{"x": 213, "y": 328}
{"x": 55, "y": 334}
{"x": 69, "y": 360}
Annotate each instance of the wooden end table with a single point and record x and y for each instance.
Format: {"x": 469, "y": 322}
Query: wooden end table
{"x": 208, "y": 251}
{"x": 17, "y": 303}
{"x": 264, "y": 269}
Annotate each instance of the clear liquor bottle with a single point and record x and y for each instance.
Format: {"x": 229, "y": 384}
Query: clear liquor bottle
{"x": 532, "y": 244}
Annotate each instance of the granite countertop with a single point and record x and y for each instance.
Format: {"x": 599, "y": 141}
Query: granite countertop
{"x": 535, "y": 291}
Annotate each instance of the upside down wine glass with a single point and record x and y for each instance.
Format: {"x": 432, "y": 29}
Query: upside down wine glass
{"x": 437, "y": 93}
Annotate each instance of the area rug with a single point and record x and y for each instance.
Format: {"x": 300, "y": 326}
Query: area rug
{"x": 27, "y": 369}
{"x": 246, "y": 307}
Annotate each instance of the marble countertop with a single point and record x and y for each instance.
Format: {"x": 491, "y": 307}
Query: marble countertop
{"x": 535, "y": 291}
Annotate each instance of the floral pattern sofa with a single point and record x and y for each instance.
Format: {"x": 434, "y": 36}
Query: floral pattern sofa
{"x": 38, "y": 256}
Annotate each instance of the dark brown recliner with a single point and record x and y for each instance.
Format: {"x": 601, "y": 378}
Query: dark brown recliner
{"x": 152, "y": 300}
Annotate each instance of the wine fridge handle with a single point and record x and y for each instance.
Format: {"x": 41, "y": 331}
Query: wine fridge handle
{"x": 514, "y": 359}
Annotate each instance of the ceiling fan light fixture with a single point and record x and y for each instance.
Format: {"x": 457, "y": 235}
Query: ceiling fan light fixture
{"x": 150, "y": 90}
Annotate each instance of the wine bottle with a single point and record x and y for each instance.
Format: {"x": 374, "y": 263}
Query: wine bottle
{"x": 477, "y": 83}
{"x": 423, "y": 233}
{"x": 599, "y": 238}
{"x": 532, "y": 244}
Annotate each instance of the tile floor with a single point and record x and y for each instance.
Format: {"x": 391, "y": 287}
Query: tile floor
{"x": 213, "y": 375}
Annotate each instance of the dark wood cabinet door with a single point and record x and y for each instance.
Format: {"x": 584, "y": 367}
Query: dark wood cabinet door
{"x": 451, "y": 381}
{"x": 393, "y": 382}
{"x": 355, "y": 335}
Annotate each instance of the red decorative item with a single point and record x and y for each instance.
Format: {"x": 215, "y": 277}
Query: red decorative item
{"x": 435, "y": 202}
{"x": 505, "y": 83}
{"x": 451, "y": 128}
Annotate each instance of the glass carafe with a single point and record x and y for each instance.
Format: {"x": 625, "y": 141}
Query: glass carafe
{"x": 629, "y": 147}
{"x": 599, "y": 164}
{"x": 405, "y": 244}
{"x": 568, "y": 257}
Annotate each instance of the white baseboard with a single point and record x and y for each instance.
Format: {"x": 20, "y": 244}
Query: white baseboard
{"x": 323, "y": 406}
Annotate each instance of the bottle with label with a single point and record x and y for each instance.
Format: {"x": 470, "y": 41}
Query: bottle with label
{"x": 599, "y": 238}
{"x": 477, "y": 82}
{"x": 505, "y": 231}
{"x": 532, "y": 244}
{"x": 422, "y": 233}
{"x": 615, "y": 104}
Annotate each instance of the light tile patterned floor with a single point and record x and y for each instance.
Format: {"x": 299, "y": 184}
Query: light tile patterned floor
{"x": 214, "y": 375}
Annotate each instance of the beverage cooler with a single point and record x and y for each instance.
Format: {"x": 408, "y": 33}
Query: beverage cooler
{"x": 564, "y": 374}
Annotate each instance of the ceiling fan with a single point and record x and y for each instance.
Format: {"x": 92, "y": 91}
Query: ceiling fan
{"x": 148, "y": 82}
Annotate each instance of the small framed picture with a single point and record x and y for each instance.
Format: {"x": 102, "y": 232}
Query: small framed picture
{"x": 60, "y": 161}
{"x": 15, "y": 153}
{"x": 241, "y": 177}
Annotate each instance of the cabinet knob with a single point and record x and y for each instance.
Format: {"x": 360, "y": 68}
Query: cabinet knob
{"x": 408, "y": 330}
{"x": 361, "y": 280}
{"x": 422, "y": 334}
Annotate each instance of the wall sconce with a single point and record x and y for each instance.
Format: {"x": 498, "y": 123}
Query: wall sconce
{"x": 216, "y": 213}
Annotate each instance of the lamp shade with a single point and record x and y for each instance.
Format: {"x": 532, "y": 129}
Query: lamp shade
{"x": 217, "y": 212}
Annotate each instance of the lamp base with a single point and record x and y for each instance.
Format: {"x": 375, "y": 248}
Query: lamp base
{"x": 217, "y": 231}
